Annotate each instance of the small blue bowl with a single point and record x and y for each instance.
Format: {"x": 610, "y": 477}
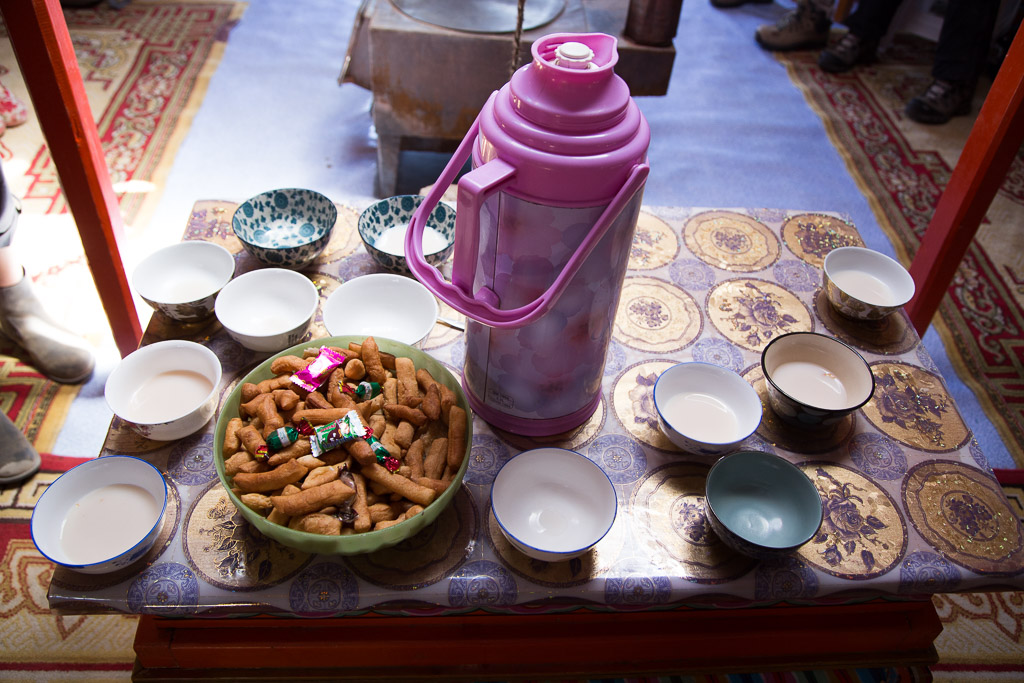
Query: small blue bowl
{"x": 286, "y": 228}
{"x": 761, "y": 505}
{"x": 397, "y": 211}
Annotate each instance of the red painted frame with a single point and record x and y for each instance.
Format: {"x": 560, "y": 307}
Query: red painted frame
{"x": 46, "y": 56}
{"x": 483, "y": 645}
{"x": 991, "y": 146}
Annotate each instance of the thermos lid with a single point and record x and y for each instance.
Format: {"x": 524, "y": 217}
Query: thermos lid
{"x": 566, "y": 122}
{"x": 573, "y": 55}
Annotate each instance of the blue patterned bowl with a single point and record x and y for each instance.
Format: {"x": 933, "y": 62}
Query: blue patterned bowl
{"x": 761, "y": 505}
{"x": 396, "y": 212}
{"x": 285, "y": 228}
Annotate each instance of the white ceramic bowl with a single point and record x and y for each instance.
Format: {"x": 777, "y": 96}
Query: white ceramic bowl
{"x": 814, "y": 380}
{"x": 864, "y": 284}
{"x": 553, "y": 504}
{"x": 761, "y": 505}
{"x": 705, "y": 409}
{"x": 102, "y": 515}
{"x": 382, "y": 305}
{"x": 183, "y": 279}
{"x": 166, "y": 390}
{"x": 269, "y": 309}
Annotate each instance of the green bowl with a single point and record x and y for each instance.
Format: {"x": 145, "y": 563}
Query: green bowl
{"x": 354, "y": 544}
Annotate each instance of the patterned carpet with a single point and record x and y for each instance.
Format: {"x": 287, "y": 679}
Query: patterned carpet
{"x": 145, "y": 67}
{"x": 903, "y": 167}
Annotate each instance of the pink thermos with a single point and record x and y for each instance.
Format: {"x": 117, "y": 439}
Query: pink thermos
{"x": 544, "y": 225}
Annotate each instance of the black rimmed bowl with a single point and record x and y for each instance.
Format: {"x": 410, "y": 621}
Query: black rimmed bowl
{"x": 814, "y": 381}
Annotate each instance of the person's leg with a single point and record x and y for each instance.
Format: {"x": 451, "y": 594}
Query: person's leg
{"x": 53, "y": 349}
{"x": 867, "y": 23}
{"x": 18, "y": 459}
{"x": 960, "y": 56}
{"x": 802, "y": 28}
{"x": 965, "y": 39}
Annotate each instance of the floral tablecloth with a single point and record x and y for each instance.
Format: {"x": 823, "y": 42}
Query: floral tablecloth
{"x": 911, "y": 505}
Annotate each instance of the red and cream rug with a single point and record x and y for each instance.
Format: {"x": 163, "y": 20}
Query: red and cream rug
{"x": 146, "y": 67}
{"x": 902, "y": 167}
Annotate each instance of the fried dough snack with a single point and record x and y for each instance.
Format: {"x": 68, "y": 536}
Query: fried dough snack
{"x": 404, "y": 461}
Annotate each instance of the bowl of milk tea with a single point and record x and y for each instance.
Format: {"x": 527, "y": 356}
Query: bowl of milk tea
{"x": 182, "y": 280}
{"x": 165, "y": 390}
{"x": 864, "y": 284}
{"x": 102, "y": 515}
{"x": 382, "y": 227}
{"x": 813, "y": 380}
{"x": 705, "y": 409}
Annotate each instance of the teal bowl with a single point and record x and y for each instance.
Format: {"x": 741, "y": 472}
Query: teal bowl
{"x": 761, "y": 505}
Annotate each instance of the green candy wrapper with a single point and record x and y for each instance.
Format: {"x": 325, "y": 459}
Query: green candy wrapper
{"x": 336, "y": 434}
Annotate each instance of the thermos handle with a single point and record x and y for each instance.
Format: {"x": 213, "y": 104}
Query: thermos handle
{"x": 458, "y": 294}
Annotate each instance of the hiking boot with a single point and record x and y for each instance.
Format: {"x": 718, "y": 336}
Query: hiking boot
{"x": 54, "y": 350}
{"x": 802, "y": 28}
{"x": 941, "y": 101}
{"x": 18, "y": 459}
{"x": 847, "y": 53}
{"x": 727, "y": 4}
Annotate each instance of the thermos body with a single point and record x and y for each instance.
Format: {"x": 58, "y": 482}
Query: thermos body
{"x": 545, "y": 377}
{"x": 544, "y": 227}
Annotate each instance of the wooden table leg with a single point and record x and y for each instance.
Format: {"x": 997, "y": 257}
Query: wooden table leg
{"x": 46, "y": 56}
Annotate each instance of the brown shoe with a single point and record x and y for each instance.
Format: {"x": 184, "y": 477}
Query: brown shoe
{"x": 55, "y": 351}
{"x": 941, "y": 101}
{"x": 18, "y": 459}
{"x": 803, "y": 28}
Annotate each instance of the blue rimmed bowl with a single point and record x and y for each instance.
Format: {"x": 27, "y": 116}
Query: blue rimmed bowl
{"x": 553, "y": 504}
{"x": 286, "y": 228}
{"x": 102, "y": 515}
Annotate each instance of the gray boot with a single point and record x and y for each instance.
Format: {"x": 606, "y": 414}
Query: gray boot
{"x": 802, "y": 28}
{"x": 54, "y": 350}
{"x": 18, "y": 459}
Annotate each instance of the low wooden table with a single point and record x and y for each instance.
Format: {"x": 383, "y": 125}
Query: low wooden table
{"x": 912, "y": 508}
{"x": 429, "y": 83}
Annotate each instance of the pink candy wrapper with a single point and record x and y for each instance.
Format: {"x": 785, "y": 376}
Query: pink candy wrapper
{"x": 316, "y": 373}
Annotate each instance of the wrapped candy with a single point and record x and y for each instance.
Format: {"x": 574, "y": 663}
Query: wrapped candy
{"x": 364, "y": 391}
{"x": 316, "y": 373}
{"x": 384, "y": 457}
{"x": 282, "y": 437}
{"x": 335, "y": 434}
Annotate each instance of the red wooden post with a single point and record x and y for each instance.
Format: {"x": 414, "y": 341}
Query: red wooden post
{"x": 994, "y": 141}
{"x": 46, "y": 56}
